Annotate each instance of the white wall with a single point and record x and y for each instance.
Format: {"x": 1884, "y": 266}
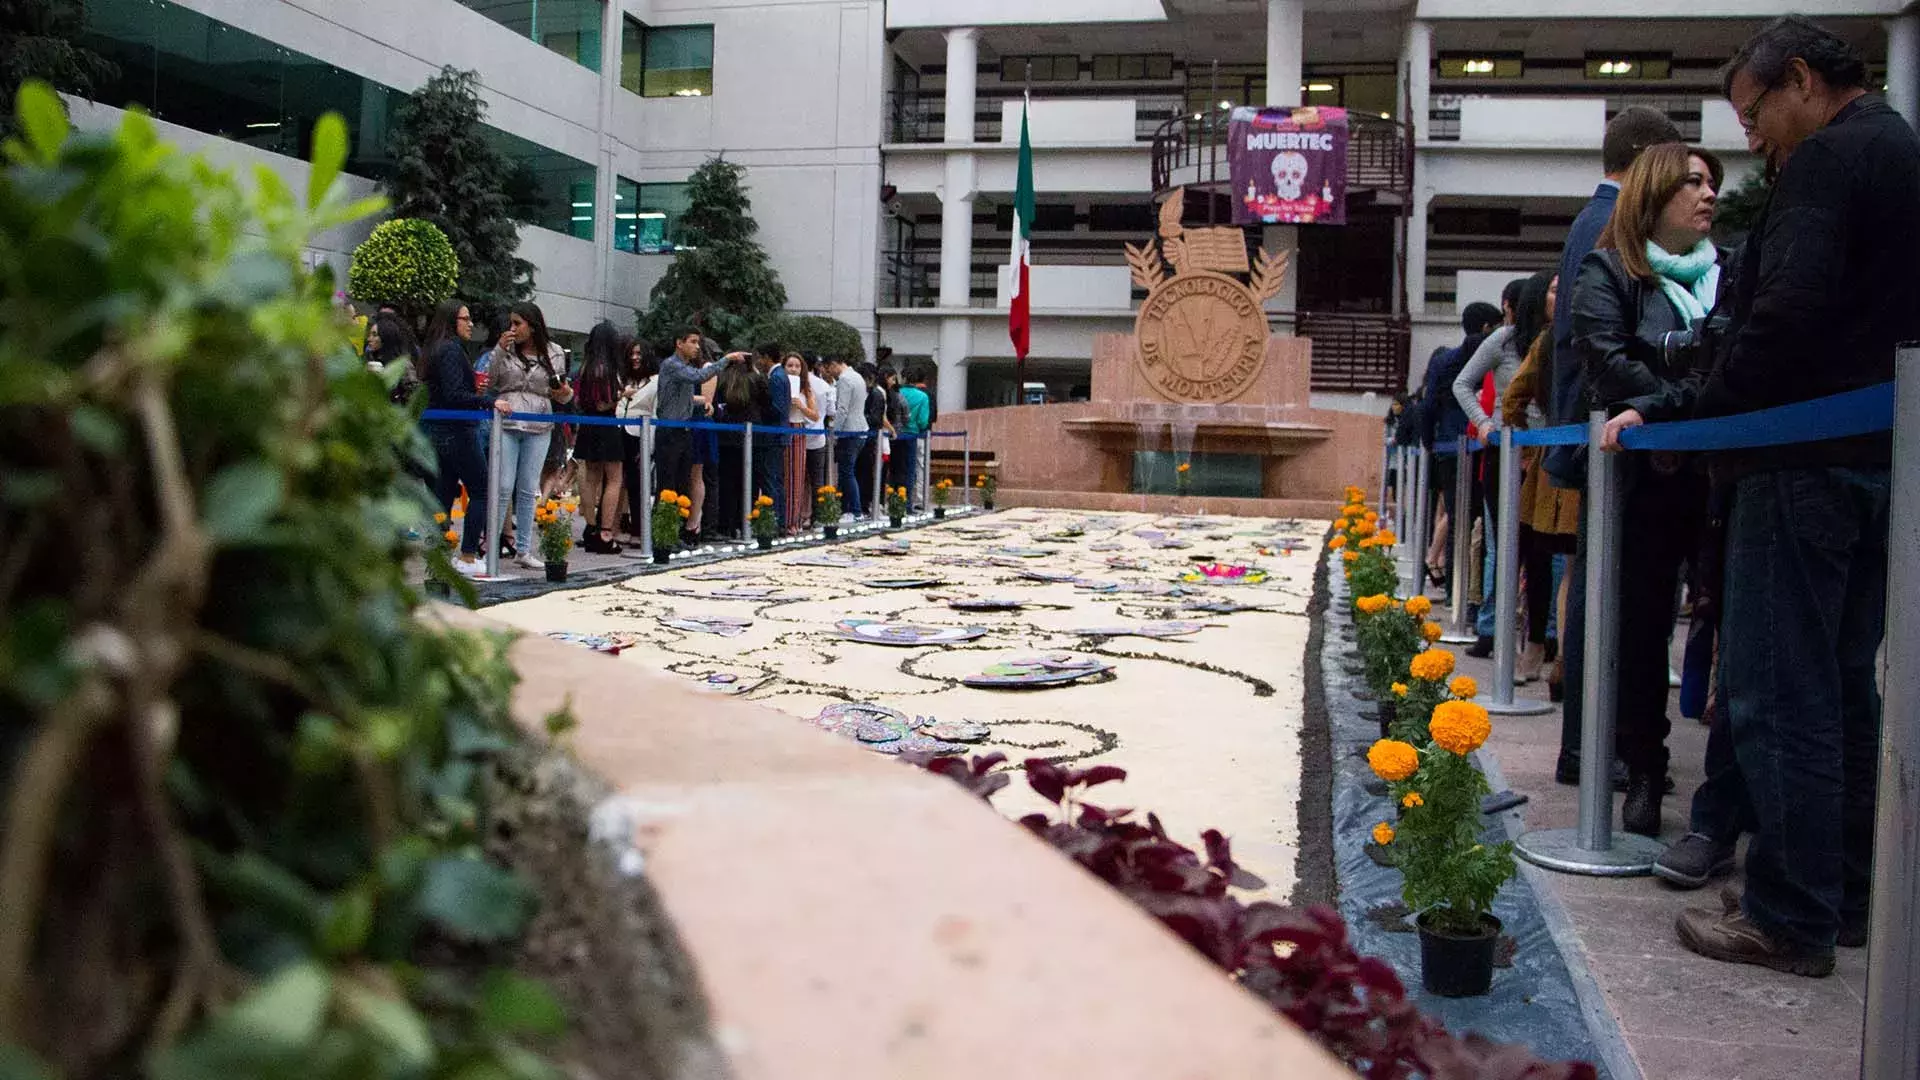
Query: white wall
{"x": 1506, "y": 121}
{"x": 1069, "y": 122}
{"x": 938, "y": 13}
{"x": 1073, "y": 288}
{"x": 1646, "y": 9}
{"x": 1481, "y": 286}
{"x": 1122, "y": 170}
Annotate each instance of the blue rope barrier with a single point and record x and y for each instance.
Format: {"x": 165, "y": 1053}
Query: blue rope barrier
{"x": 1856, "y": 412}
{"x": 481, "y": 416}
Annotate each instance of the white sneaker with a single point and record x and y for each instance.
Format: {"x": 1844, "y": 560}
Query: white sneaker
{"x": 472, "y": 568}
{"x": 528, "y": 561}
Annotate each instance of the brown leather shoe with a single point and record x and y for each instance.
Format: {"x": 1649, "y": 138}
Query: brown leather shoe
{"x": 1853, "y": 932}
{"x": 1734, "y": 939}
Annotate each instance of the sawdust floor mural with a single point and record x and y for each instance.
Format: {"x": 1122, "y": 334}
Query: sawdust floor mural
{"x": 1171, "y": 646}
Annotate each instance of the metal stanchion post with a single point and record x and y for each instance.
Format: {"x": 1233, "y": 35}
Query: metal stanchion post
{"x": 876, "y": 495}
{"x": 923, "y": 453}
{"x": 1402, "y": 497}
{"x": 746, "y": 484}
{"x": 1386, "y": 453}
{"x": 966, "y": 466}
{"x": 832, "y": 476}
{"x": 1594, "y": 847}
{"x": 1457, "y": 632}
{"x": 1891, "y": 1039}
{"x": 646, "y": 487}
{"x": 495, "y": 527}
{"x": 1418, "y": 522}
{"x": 1506, "y": 579}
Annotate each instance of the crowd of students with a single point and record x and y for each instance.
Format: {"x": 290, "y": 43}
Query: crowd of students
{"x": 1779, "y": 553}
{"x": 871, "y": 409}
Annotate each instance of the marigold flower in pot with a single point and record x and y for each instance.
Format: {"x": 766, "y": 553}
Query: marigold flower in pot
{"x": 827, "y": 509}
{"x": 668, "y": 513}
{"x": 763, "y": 522}
{"x": 1419, "y": 606}
{"x": 1432, "y": 665}
{"x": 896, "y": 505}
{"x": 1463, "y": 687}
{"x": 555, "y": 527}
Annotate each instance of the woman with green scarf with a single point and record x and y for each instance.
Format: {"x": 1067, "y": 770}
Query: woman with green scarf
{"x": 1654, "y": 272}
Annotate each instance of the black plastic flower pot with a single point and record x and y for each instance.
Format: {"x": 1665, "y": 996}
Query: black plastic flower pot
{"x": 661, "y": 555}
{"x": 939, "y": 513}
{"x": 986, "y": 504}
{"x": 436, "y": 587}
{"x": 764, "y": 543}
{"x": 830, "y": 531}
{"x": 1457, "y": 966}
{"x": 895, "y": 520}
{"x": 556, "y": 571}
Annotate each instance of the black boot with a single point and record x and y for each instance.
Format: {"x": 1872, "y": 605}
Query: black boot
{"x": 1641, "y": 814}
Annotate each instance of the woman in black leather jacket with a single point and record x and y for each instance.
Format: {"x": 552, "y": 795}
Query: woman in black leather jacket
{"x": 1654, "y": 271}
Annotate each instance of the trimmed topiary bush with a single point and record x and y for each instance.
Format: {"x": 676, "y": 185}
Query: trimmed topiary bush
{"x": 408, "y": 263}
{"x": 812, "y": 334}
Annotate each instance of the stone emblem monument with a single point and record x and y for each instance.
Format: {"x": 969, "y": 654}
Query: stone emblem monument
{"x": 1202, "y": 333}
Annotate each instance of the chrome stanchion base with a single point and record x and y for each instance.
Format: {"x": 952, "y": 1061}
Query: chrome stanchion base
{"x": 1559, "y": 849}
{"x": 1450, "y": 638}
{"x": 1534, "y": 707}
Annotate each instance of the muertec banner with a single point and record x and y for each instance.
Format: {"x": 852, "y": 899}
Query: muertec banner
{"x": 1289, "y": 165}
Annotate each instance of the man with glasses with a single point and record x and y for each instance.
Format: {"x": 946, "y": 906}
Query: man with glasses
{"x": 1825, "y": 292}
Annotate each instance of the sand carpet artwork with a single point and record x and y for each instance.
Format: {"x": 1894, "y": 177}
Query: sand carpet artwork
{"x": 1044, "y": 633}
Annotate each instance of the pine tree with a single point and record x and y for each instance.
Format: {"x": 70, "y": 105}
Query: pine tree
{"x": 720, "y": 281}
{"x": 40, "y": 39}
{"x": 447, "y": 173}
{"x": 1740, "y": 207}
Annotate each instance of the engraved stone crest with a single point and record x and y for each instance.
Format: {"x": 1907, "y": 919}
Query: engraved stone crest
{"x": 1202, "y": 333}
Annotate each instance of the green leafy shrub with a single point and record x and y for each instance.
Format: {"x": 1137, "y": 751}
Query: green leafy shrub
{"x": 813, "y": 334}
{"x": 408, "y": 263}
{"x": 246, "y": 787}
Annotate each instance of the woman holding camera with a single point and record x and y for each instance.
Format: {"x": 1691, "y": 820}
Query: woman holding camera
{"x": 1655, "y": 273}
{"x": 529, "y": 373}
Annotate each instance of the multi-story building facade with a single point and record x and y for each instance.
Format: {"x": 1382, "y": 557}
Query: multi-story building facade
{"x": 881, "y": 136}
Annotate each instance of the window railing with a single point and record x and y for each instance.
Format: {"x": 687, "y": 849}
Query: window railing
{"x": 911, "y": 279}
{"x": 1352, "y": 352}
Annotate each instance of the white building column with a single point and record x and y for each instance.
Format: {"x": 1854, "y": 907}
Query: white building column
{"x": 963, "y": 76}
{"x": 956, "y": 344}
{"x": 1417, "y": 250}
{"x": 1416, "y": 60}
{"x": 1903, "y": 66}
{"x": 1286, "y": 34}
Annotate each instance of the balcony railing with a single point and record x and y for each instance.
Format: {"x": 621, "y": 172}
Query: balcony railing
{"x": 1352, "y": 353}
{"x": 920, "y": 116}
{"x": 1192, "y": 149}
{"x": 911, "y": 279}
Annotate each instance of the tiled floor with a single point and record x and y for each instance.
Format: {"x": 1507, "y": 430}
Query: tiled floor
{"x": 1683, "y": 1017}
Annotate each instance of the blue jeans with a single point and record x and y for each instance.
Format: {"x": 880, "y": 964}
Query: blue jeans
{"x": 1805, "y": 609}
{"x": 847, "y": 459}
{"x": 521, "y": 458}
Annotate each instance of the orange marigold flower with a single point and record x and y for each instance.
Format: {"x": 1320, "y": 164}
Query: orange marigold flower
{"x": 439, "y": 519}
{"x": 1350, "y": 556}
{"x": 1387, "y": 537}
{"x": 1418, "y": 606}
{"x": 1459, "y": 726}
{"x": 452, "y": 537}
{"x": 1431, "y": 631}
{"x": 685, "y": 503}
{"x": 1337, "y": 543}
{"x": 1383, "y": 834}
{"x": 1393, "y": 760}
{"x": 1372, "y": 605}
{"x": 1411, "y": 800}
{"x": 1463, "y": 686}
{"x": 1399, "y": 689}
{"x": 1431, "y": 665}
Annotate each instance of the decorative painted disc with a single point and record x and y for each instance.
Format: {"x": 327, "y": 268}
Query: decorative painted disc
{"x": 830, "y": 560}
{"x": 877, "y": 632}
{"x": 1052, "y": 577}
{"x": 903, "y": 582}
{"x": 986, "y": 603}
{"x": 723, "y": 625}
{"x": 1051, "y": 669}
{"x": 610, "y": 643}
{"x": 1224, "y": 574}
{"x": 1163, "y": 629}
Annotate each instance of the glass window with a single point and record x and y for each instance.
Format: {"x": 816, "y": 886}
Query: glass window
{"x": 632, "y": 44}
{"x": 675, "y": 61}
{"x": 1629, "y": 66}
{"x": 658, "y": 212}
{"x": 1129, "y": 66}
{"x": 568, "y": 27}
{"x": 1320, "y": 90}
{"x": 1062, "y": 68}
{"x": 547, "y": 188}
{"x": 1482, "y": 66}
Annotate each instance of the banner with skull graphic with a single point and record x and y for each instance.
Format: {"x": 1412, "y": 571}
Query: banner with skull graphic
{"x": 1288, "y": 165}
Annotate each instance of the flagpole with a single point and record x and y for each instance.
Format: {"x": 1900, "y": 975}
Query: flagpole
{"x": 1020, "y": 354}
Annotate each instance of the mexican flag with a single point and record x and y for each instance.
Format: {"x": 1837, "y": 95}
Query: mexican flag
{"x": 1019, "y": 318}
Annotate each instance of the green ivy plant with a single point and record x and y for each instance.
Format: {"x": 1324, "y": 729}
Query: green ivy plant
{"x": 245, "y": 785}
{"x": 406, "y": 262}
{"x": 721, "y": 280}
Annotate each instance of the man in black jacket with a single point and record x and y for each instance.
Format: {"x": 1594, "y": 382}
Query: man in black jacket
{"x": 1825, "y": 293}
